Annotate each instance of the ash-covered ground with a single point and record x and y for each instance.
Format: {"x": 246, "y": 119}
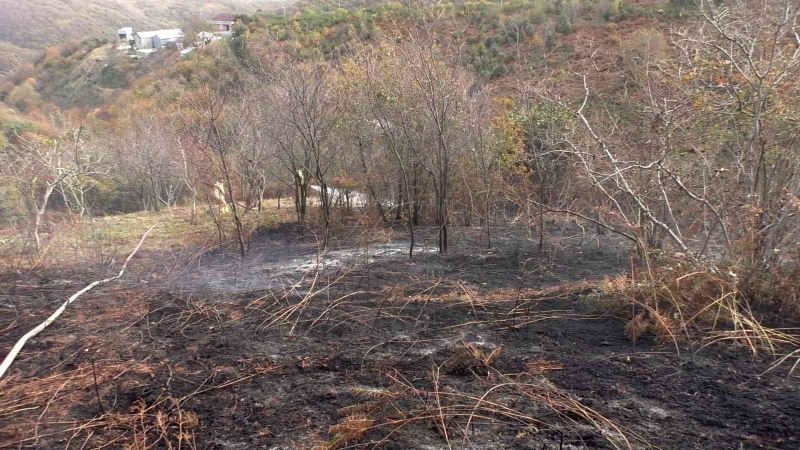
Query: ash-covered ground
{"x": 361, "y": 347}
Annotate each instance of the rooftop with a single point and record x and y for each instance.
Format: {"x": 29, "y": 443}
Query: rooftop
{"x": 224, "y": 18}
{"x": 172, "y": 33}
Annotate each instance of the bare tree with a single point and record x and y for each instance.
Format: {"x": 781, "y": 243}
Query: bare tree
{"x": 441, "y": 89}
{"x": 38, "y": 166}
{"x": 150, "y": 153}
{"x": 485, "y": 156}
{"x": 751, "y": 51}
{"x": 706, "y": 143}
{"x": 88, "y": 166}
{"x": 217, "y": 127}
{"x": 309, "y": 111}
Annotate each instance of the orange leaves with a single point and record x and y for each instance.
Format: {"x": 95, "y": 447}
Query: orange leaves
{"x": 509, "y": 133}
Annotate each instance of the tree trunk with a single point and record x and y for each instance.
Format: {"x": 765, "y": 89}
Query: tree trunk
{"x": 39, "y": 214}
{"x": 232, "y": 202}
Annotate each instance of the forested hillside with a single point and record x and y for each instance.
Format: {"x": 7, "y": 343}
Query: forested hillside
{"x": 355, "y": 224}
{"x": 27, "y": 26}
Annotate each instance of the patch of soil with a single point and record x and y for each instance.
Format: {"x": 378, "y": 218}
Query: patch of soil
{"x": 270, "y": 352}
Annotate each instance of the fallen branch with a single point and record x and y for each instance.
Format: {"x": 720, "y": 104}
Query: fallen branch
{"x": 31, "y": 334}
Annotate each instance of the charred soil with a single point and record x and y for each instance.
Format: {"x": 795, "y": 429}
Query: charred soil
{"x": 361, "y": 347}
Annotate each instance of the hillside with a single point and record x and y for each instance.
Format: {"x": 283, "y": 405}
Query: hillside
{"x": 409, "y": 224}
{"x": 34, "y": 25}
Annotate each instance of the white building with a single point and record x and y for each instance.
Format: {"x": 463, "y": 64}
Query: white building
{"x": 151, "y": 40}
{"x": 222, "y": 24}
{"x": 205, "y": 38}
{"x": 125, "y": 34}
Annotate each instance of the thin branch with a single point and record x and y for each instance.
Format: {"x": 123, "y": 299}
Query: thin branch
{"x": 31, "y": 334}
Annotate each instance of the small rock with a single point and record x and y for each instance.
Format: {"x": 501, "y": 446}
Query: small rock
{"x": 658, "y": 413}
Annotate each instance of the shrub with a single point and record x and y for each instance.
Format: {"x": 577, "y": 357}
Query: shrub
{"x": 487, "y": 61}
{"x": 112, "y": 77}
{"x": 564, "y": 24}
{"x": 678, "y": 299}
{"x": 25, "y": 97}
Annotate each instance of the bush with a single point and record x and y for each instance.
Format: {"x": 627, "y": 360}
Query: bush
{"x": 487, "y": 61}
{"x": 549, "y": 36}
{"x": 564, "y": 24}
{"x": 12, "y": 211}
{"x": 678, "y": 299}
{"x": 25, "y": 96}
{"x": 112, "y": 77}
{"x": 680, "y": 8}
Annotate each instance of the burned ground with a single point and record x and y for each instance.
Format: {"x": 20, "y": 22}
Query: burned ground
{"x": 501, "y": 348}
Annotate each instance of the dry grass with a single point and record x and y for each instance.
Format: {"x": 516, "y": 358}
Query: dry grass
{"x": 541, "y": 366}
{"x": 359, "y": 418}
{"x": 95, "y": 243}
{"x": 681, "y": 300}
{"x": 163, "y": 422}
{"x": 24, "y": 402}
{"x": 194, "y": 311}
{"x": 525, "y": 401}
{"x": 540, "y": 408}
{"x": 468, "y": 357}
{"x": 83, "y": 406}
